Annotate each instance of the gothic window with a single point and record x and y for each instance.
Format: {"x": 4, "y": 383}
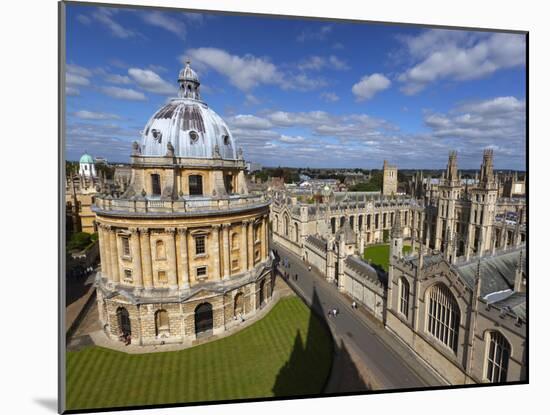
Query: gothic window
{"x": 125, "y": 246}
{"x": 155, "y": 184}
{"x": 443, "y": 316}
{"x": 285, "y": 223}
{"x": 360, "y": 222}
{"x": 498, "y": 355}
{"x": 160, "y": 250}
{"x": 195, "y": 185}
{"x": 296, "y": 232}
{"x": 333, "y": 225}
{"x": 200, "y": 245}
{"x": 404, "y": 290}
{"x": 161, "y": 322}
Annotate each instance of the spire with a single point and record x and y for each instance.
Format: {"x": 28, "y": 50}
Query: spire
{"x": 396, "y": 231}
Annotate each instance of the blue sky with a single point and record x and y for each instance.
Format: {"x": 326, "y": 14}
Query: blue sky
{"x": 300, "y": 92}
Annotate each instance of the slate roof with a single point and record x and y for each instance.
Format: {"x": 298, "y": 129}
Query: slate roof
{"x": 317, "y": 242}
{"x": 363, "y": 268}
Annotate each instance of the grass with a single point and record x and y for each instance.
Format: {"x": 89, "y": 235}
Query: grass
{"x": 380, "y": 254}
{"x": 287, "y": 352}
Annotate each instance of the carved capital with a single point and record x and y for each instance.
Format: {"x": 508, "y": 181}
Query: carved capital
{"x": 216, "y": 226}
{"x": 226, "y": 225}
{"x": 182, "y": 231}
{"x": 133, "y": 231}
{"x": 143, "y": 231}
{"x": 170, "y": 230}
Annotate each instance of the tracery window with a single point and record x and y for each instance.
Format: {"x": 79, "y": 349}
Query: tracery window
{"x": 443, "y": 316}
{"x": 404, "y": 291}
{"x": 498, "y": 355}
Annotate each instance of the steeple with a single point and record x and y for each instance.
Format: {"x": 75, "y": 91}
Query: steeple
{"x": 487, "y": 178}
{"x": 189, "y": 83}
{"x": 451, "y": 175}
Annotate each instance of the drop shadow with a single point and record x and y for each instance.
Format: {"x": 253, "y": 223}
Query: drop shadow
{"x": 48, "y": 403}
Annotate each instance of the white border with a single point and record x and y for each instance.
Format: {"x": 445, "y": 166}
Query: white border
{"x": 29, "y": 202}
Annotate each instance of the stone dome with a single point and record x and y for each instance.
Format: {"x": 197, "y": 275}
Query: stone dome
{"x": 193, "y": 129}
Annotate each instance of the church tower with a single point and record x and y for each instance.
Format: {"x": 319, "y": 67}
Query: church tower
{"x": 389, "y": 179}
{"x": 396, "y": 247}
{"x": 449, "y": 193}
{"x": 483, "y": 198}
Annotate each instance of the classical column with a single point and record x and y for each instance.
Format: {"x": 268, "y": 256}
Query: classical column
{"x": 104, "y": 251}
{"x": 171, "y": 256}
{"x": 265, "y": 240}
{"x": 215, "y": 252}
{"x": 114, "y": 254}
{"x": 146, "y": 258}
{"x": 244, "y": 246}
{"x": 250, "y": 238}
{"x": 137, "y": 275}
{"x": 183, "y": 263}
{"x": 225, "y": 241}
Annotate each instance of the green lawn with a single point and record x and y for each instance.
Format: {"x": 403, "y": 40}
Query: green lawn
{"x": 287, "y": 352}
{"x": 380, "y": 254}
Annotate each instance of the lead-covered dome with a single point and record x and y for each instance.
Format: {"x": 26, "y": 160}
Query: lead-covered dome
{"x": 193, "y": 129}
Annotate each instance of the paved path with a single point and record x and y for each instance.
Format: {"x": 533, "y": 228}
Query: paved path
{"x": 389, "y": 364}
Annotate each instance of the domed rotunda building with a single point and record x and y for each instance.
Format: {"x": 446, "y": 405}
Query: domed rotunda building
{"x": 184, "y": 251}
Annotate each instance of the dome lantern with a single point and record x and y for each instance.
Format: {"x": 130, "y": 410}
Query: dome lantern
{"x": 189, "y": 83}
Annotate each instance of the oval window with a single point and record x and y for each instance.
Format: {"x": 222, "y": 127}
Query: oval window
{"x": 193, "y": 136}
{"x": 157, "y": 135}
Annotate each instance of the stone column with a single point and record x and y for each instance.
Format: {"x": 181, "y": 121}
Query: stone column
{"x": 265, "y": 238}
{"x": 171, "y": 257}
{"x": 136, "y": 258}
{"x": 250, "y": 238}
{"x": 146, "y": 258}
{"x": 225, "y": 241}
{"x": 183, "y": 263}
{"x": 114, "y": 255}
{"x": 244, "y": 246}
{"x": 104, "y": 251}
{"x": 215, "y": 252}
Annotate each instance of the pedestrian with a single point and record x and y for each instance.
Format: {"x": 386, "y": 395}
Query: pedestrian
{"x": 354, "y": 305}
{"x": 309, "y": 268}
{"x": 296, "y": 277}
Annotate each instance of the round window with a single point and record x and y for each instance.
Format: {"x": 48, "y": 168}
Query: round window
{"x": 193, "y": 136}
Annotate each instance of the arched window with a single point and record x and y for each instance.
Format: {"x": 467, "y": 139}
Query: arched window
{"x": 443, "y": 316}
{"x": 498, "y": 355}
{"x": 285, "y": 224}
{"x": 342, "y": 220}
{"x": 296, "y": 232}
{"x": 195, "y": 185}
{"x": 160, "y": 250}
{"x": 404, "y": 290}
{"x": 276, "y": 224}
{"x": 238, "y": 308}
{"x": 123, "y": 319}
{"x": 333, "y": 225}
{"x": 161, "y": 322}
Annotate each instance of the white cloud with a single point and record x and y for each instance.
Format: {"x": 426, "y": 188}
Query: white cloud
{"x": 151, "y": 81}
{"x": 71, "y": 91}
{"x": 78, "y": 70}
{"x": 316, "y": 63}
{"x": 445, "y": 54}
{"x": 244, "y": 72}
{"x": 117, "y": 79}
{"x": 248, "y": 72}
{"x": 106, "y": 17}
{"x": 370, "y": 85}
{"x": 90, "y": 115}
{"x": 76, "y": 80}
{"x": 164, "y": 21}
{"x": 250, "y": 122}
{"x": 123, "y": 93}
{"x": 330, "y": 97}
{"x": 292, "y": 139}
{"x": 84, "y": 19}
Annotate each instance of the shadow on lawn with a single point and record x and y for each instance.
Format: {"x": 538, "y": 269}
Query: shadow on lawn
{"x": 303, "y": 374}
